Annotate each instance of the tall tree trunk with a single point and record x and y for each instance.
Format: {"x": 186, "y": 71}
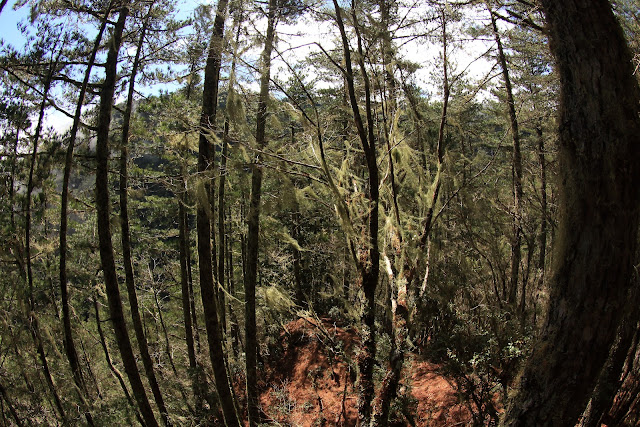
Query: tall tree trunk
{"x": 69, "y": 345}
{"x": 194, "y": 369}
{"x": 114, "y": 371}
{"x": 125, "y": 235}
{"x": 599, "y": 163}
{"x": 401, "y": 315}
{"x": 34, "y": 325}
{"x": 222, "y": 232}
{"x": 207, "y": 282}
{"x": 196, "y": 372}
{"x": 103, "y": 222}
{"x": 369, "y": 267}
{"x": 516, "y": 169}
{"x": 253, "y": 223}
{"x": 221, "y": 226}
{"x": 542, "y": 241}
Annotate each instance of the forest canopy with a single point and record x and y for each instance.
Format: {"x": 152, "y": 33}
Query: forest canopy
{"x": 195, "y": 194}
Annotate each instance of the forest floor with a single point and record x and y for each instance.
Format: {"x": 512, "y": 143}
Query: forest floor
{"x": 310, "y": 382}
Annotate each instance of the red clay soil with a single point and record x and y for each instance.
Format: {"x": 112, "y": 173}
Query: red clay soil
{"x": 309, "y": 382}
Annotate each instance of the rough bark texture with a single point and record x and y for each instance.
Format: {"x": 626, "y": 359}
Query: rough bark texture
{"x": 599, "y": 159}
{"x": 207, "y": 281}
{"x": 103, "y": 223}
{"x": 253, "y": 223}
{"x": 612, "y": 374}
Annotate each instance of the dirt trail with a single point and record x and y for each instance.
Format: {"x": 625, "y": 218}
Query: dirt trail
{"x": 309, "y": 382}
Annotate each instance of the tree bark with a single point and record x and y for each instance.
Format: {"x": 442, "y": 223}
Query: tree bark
{"x": 207, "y": 281}
{"x": 369, "y": 266}
{"x": 114, "y": 371}
{"x": 401, "y": 315}
{"x": 516, "y": 168}
{"x": 69, "y": 345}
{"x": 253, "y": 223}
{"x": 12, "y": 410}
{"x": 103, "y": 222}
{"x": 599, "y": 162}
{"x": 34, "y": 326}
{"x": 125, "y": 235}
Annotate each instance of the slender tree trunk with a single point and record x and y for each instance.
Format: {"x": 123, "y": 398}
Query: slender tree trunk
{"x": 12, "y": 410}
{"x": 103, "y": 223}
{"x": 542, "y": 240}
{"x": 92, "y": 375}
{"x": 599, "y": 163}
{"x": 516, "y": 169}
{"x": 69, "y": 345}
{"x": 125, "y": 235}
{"x": 253, "y": 223}
{"x": 186, "y": 306}
{"x": 169, "y": 351}
{"x": 222, "y": 232}
{"x": 370, "y": 267}
{"x": 235, "y": 327}
{"x": 221, "y": 226}
{"x": 196, "y": 372}
{"x": 207, "y": 281}
{"x": 34, "y": 326}
{"x": 114, "y": 371}
{"x": 388, "y": 389}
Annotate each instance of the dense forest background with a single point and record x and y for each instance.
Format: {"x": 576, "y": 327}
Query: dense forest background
{"x": 179, "y": 189}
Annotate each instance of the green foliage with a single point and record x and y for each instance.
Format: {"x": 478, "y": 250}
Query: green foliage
{"x": 314, "y": 211}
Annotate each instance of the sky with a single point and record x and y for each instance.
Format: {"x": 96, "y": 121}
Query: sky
{"x": 297, "y": 40}
{"x": 9, "y": 19}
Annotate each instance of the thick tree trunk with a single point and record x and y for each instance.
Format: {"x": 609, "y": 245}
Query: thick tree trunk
{"x": 611, "y": 376}
{"x": 599, "y": 162}
{"x": 207, "y": 281}
{"x": 253, "y": 223}
{"x": 103, "y": 223}
{"x": 625, "y": 411}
